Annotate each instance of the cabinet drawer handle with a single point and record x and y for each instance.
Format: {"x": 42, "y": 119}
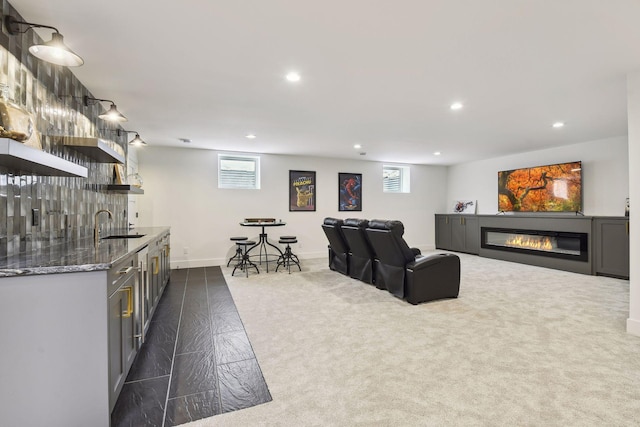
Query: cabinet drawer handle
{"x": 125, "y": 270}
{"x": 129, "y": 310}
{"x": 156, "y": 267}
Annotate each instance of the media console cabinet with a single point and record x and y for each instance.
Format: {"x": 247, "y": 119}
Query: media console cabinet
{"x": 580, "y": 244}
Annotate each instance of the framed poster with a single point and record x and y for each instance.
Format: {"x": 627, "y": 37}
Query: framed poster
{"x": 302, "y": 191}
{"x": 349, "y": 191}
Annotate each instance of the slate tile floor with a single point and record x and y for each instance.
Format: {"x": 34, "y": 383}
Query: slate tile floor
{"x": 196, "y": 362}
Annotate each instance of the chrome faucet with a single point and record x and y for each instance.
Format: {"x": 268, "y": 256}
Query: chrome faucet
{"x": 96, "y": 230}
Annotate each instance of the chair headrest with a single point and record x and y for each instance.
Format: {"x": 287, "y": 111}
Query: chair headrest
{"x": 333, "y": 221}
{"x": 356, "y": 222}
{"x": 383, "y": 224}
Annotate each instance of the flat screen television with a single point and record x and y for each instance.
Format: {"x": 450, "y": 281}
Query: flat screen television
{"x": 550, "y": 188}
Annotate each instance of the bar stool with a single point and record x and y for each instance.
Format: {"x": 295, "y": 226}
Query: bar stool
{"x": 288, "y": 257}
{"x": 245, "y": 262}
{"x": 238, "y": 254}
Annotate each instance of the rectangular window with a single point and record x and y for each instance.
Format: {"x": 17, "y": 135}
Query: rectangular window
{"x": 396, "y": 179}
{"x": 237, "y": 171}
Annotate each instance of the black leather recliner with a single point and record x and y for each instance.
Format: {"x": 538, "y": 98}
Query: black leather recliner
{"x": 361, "y": 254}
{"x": 416, "y": 279}
{"x": 338, "y": 247}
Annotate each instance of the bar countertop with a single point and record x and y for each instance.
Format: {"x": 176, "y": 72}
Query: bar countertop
{"x": 81, "y": 255}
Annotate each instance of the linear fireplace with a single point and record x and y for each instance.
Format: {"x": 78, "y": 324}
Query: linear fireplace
{"x": 556, "y": 244}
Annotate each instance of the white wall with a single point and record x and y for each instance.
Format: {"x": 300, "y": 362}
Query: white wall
{"x": 633, "y": 113}
{"x": 132, "y": 168}
{"x": 181, "y": 191}
{"x": 605, "y": 175}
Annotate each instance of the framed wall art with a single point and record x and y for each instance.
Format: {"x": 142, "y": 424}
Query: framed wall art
{"x": 464, "y": 206}
{"x": 349, "y": 191}
{"x": 302, "y": 191}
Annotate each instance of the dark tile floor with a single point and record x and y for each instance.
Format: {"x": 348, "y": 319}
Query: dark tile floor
{"x": 196, "y": 361}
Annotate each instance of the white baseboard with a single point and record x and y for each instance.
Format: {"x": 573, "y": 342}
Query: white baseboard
{"x": 633, "y": 327}
{"x": 211, "y": 262}
{"x": 195, "y": 263}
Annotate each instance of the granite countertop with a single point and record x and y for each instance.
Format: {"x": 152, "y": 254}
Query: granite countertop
{"x": 80, "y": 255}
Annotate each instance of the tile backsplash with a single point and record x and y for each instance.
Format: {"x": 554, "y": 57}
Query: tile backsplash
{"x": 64, "y": 207}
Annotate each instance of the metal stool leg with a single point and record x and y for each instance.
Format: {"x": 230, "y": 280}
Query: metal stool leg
{"x": 288, "y": 258}
{"x": 238, "y": 255}
{"x": 245, "y": 263}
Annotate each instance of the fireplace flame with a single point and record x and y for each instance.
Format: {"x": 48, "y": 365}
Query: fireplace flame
{"x": 540, "y": 243}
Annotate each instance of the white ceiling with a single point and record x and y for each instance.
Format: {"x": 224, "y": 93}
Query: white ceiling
{"x": 377, "y": 73}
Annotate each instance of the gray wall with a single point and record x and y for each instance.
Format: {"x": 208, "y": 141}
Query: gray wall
{"x": 633, "y": 112}
{"x": 53, "y": 95}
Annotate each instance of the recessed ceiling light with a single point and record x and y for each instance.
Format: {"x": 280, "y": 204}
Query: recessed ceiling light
{"x": 293, "y": 76}
{"x": 251, "y": 136}
{"x": 357, "y": 146}
{"x": 436, "y": 153}
{"x": 456, "y": 106}
{"x": 558, "y": 125}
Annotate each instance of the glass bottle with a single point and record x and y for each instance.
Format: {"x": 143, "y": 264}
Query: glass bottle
{"x": 135, "y": 179}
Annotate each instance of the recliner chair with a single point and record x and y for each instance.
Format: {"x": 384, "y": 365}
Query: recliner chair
{"x": 361, "y": 254}
{"x": 338, "y": 247}
{"x": 401, "y": 272}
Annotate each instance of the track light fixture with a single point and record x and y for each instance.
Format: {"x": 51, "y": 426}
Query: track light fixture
{"x": 137, "y": 141}
{"x": 113, "y": 115}
{"x": 53, "y": 51}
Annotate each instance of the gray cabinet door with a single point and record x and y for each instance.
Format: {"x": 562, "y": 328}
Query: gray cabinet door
{"x": 122, "y": 340}
{"x": 443, "y": 232}
{"x": 458, "y": 231}
{"x": 117, "y": 303}
{"x": 472, "y": 235}
{"x": 165, "y": 265}
{"x": 612, "y": 246}
{"x": 465, "y": 234}
{"x": 155, "y": 277}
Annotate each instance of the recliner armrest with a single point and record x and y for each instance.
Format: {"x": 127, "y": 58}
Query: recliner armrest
{"x": 430, "y": 260}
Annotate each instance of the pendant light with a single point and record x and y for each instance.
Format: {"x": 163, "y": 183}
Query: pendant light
{"x": 53, "y": 51}
{"x": 112, "y": 115}
{"x": 137, "y": 141}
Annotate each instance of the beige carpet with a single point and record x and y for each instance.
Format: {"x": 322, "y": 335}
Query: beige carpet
{"x": 521, "y": 346}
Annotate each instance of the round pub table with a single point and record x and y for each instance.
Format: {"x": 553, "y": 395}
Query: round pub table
{"x": 264, "y": 241}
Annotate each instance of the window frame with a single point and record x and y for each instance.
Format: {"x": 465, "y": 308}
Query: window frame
{"x": 404, "y": 178}
{"x": 224, "y": 183}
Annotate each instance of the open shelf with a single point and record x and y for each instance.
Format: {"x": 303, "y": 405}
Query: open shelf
{"x": 95, "y": 148}
{"x": 124, "y": 188}
{"x": 20, "y": 158}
